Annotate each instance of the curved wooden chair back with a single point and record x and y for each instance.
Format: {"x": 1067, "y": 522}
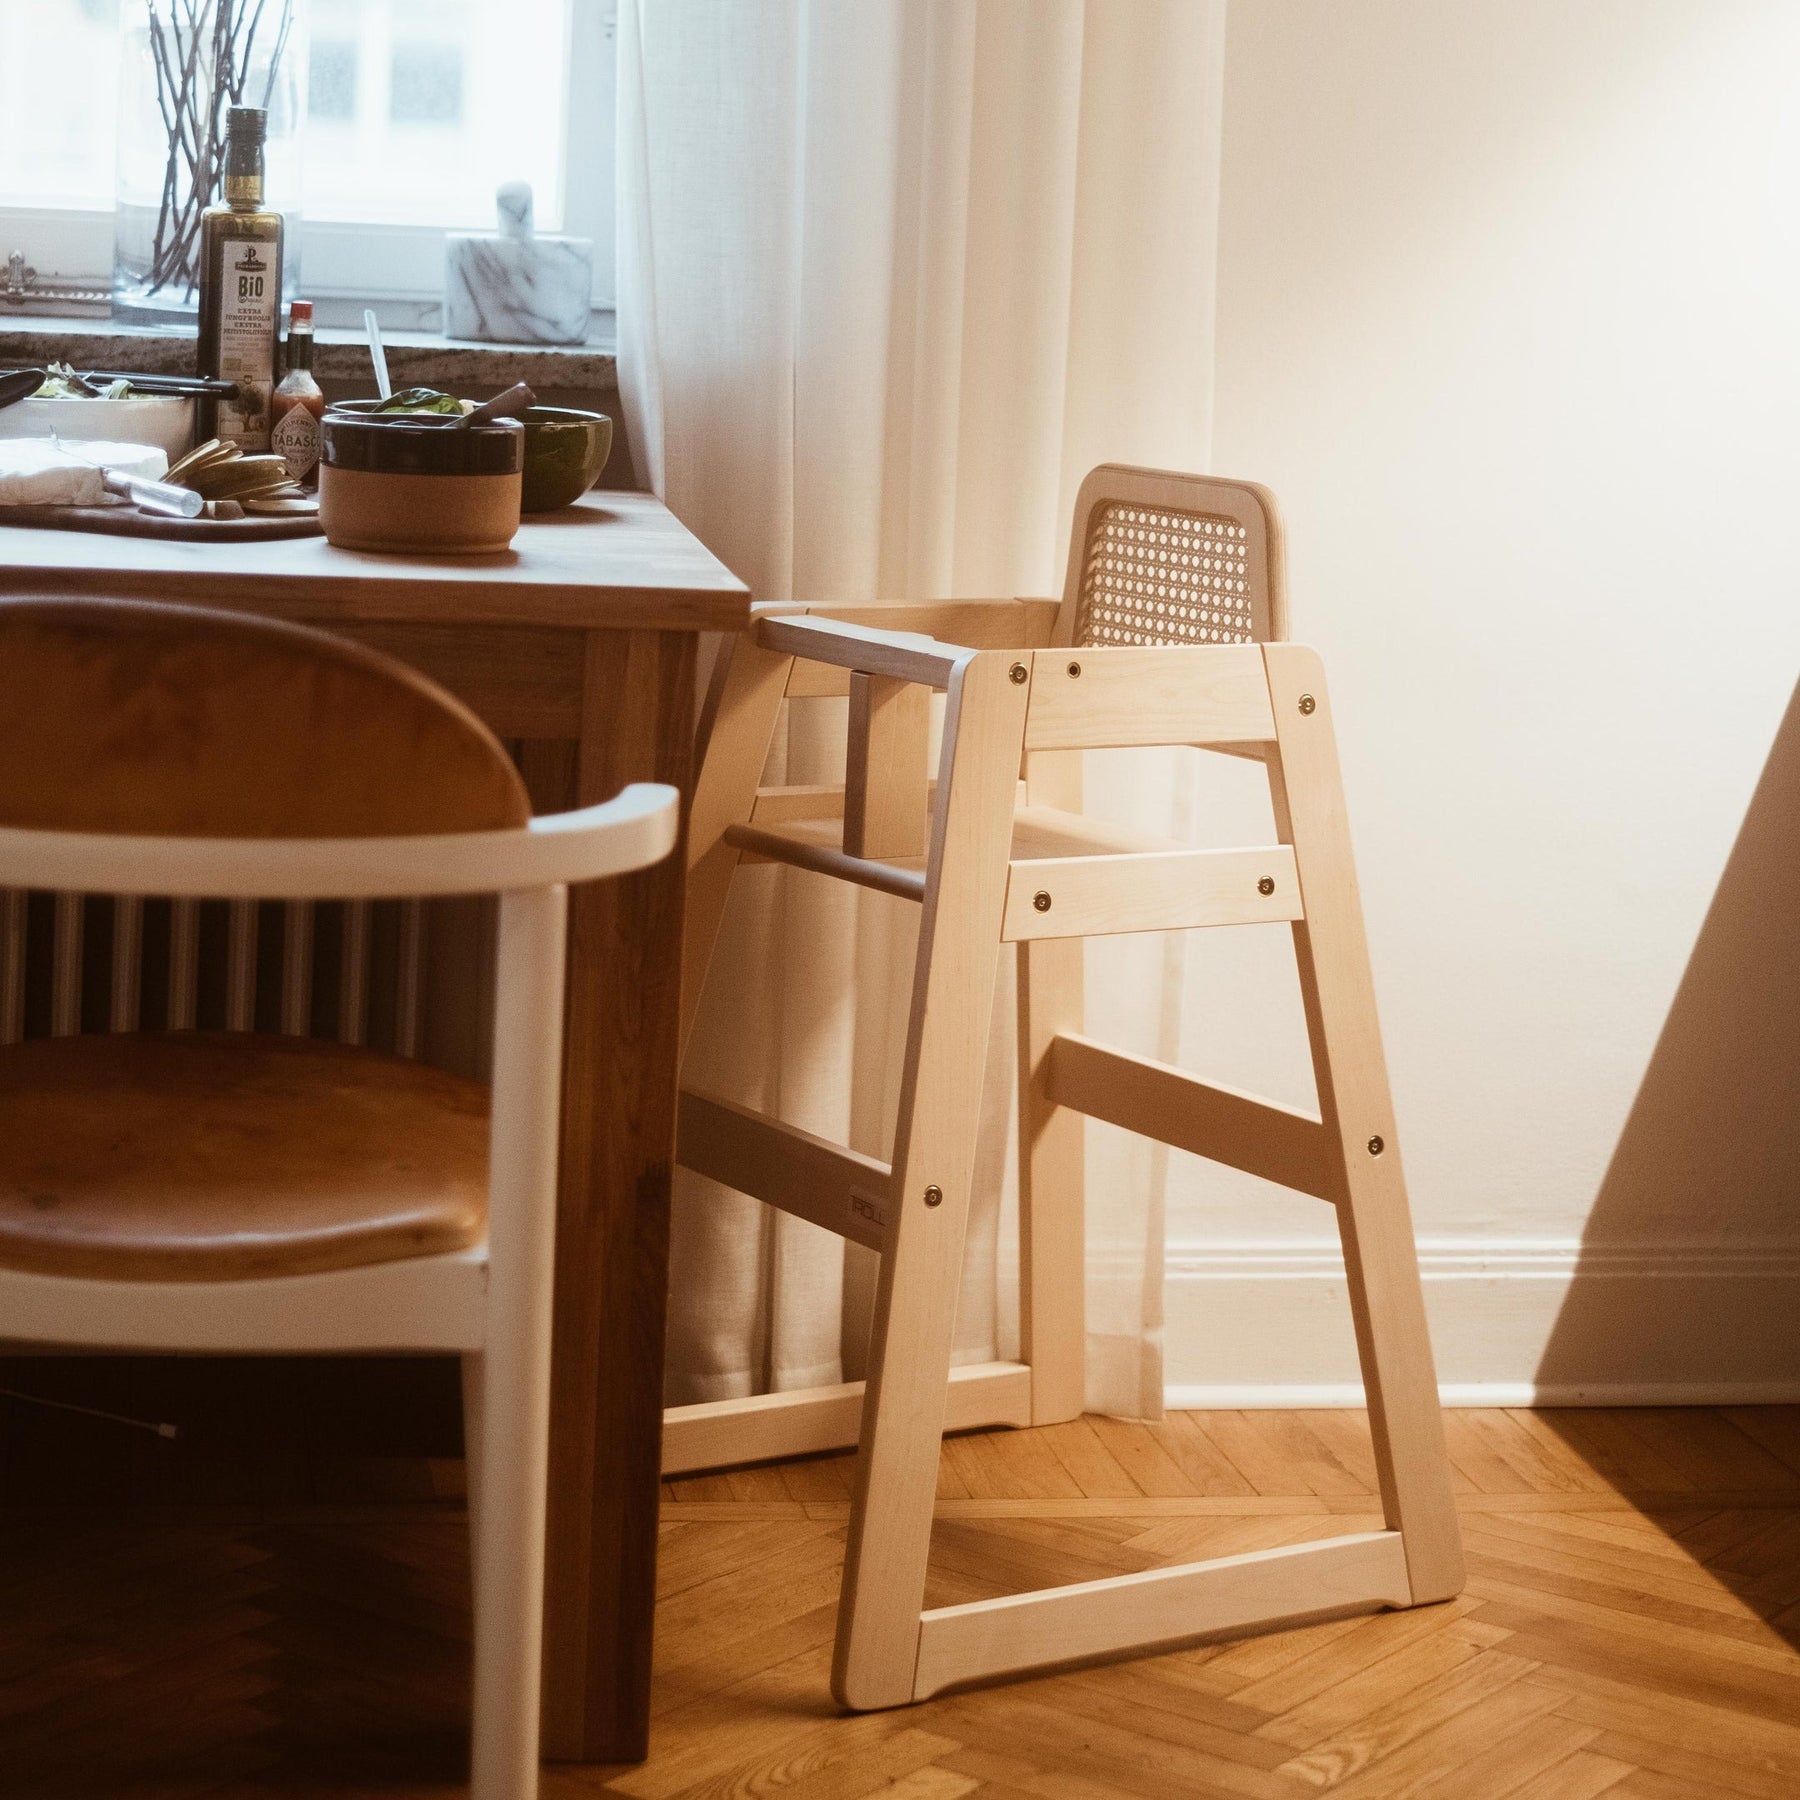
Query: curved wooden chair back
{"x": 1161, "y": 558}
{"x": 155, "y": 720}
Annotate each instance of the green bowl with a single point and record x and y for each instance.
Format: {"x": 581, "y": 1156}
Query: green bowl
{"x": 565, "y": 451}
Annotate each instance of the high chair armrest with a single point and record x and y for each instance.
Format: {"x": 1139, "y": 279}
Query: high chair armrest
{"x": 987, "y": 624}
{"x": 944, "y": 625}
{"x": 904, "y": 655}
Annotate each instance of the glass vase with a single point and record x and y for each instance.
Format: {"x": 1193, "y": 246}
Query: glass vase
{"x": 182, "y": 65}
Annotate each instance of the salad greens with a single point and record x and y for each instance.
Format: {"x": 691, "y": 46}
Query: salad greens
{"x": 62, "y": 383}
{"x": 421, "y": 400}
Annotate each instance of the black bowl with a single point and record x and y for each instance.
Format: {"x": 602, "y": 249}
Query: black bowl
{"x": 565, "y": 450}
{"x": 358, "y": 437}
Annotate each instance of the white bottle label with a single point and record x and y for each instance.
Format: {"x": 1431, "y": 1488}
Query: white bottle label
{"x": 296, "y": 439}
{"x": 249, "y": 302}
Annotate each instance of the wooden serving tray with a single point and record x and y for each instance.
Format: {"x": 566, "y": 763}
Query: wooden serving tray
{"x": 127, "y": 521}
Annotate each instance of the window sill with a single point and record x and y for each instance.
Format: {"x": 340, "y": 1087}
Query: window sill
{"x": 341, "y": 360}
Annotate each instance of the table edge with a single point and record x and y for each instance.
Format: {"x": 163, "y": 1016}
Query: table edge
{"x": 404, "y": 598}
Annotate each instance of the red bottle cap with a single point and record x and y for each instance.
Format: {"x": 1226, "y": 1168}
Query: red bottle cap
{"x": 300, "y": 313}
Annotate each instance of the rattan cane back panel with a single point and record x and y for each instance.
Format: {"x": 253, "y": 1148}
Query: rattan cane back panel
{"x": 1157, "y": 558}
{"x": 1153, "y": 576}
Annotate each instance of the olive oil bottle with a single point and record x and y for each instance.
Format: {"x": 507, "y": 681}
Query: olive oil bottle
{"x": 240, "y": 290}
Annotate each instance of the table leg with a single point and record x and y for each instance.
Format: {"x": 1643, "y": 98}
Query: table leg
{"x": 612, "y": 1235}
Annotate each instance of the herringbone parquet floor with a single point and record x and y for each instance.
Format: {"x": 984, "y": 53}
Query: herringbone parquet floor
{"x": 1629, "y": 1629}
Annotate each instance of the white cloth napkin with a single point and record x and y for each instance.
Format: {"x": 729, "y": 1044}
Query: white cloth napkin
{"x": 67, "y": 472}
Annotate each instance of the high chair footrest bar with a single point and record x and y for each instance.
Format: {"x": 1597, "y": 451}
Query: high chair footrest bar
{"x": 804, "y": 1421}
{"x": 807, "y": 1176}
{"x": 1178, "y": 1109}
{"x": 1158, "y": 1607}
{"x": 800, "y": 849}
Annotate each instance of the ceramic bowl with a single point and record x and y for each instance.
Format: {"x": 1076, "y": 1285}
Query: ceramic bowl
{"x": 419, "y": 482}
{"x": 565, "y": 451}
{"x": 167, "y": 421}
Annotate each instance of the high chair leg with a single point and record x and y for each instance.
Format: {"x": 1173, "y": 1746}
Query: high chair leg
{"x": 933, "y": 1167}
{"x": 737, "y": 726}
{"x": 1052, "y": 1213}
{"x": 1052, "y": 1141}
{"x": 1380, "y": 1259}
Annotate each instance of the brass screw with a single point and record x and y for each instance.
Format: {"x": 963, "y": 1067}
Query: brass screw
{"x": 934, "y": 1195}
{"x": 1307, "y": 703}
{"x": 1377, "y": 1145}
{"x": 1019, "y": 673}
{"x": 1266, "y": 885}
{"x": 1074, "y": 671}
{"x": 1041, "y": 899}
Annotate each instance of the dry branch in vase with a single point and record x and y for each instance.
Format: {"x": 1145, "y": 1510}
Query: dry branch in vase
{"x": 204, "y": 52}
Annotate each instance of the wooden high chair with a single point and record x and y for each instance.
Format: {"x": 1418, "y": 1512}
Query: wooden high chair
{"x": 1170, "y": 632}
{"x": 227, "y": 1192}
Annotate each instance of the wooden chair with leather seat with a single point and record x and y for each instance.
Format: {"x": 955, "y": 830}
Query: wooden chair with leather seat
{"x": 1170, "y": 631}
{"x": 227, "y": 1192}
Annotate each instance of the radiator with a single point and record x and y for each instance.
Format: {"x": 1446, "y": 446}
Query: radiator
{"x": 352, "y": 971}
{"x": 407, "y": 976}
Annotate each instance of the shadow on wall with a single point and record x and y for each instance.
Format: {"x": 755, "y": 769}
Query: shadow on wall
{"x": 1689, "y": 1274}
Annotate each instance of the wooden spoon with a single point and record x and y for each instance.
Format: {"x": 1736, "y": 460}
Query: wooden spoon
{"x": 514, "y": 400}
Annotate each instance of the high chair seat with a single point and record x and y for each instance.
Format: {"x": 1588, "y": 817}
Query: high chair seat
{"x": 203, "y": 1156}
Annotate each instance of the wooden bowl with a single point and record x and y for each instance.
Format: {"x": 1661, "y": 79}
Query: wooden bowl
{"x": 420, "y": 483}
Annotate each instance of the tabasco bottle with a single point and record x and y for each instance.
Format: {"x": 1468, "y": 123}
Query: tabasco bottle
{"x": 240, "y": 290}
{"x": 298, "y": 406}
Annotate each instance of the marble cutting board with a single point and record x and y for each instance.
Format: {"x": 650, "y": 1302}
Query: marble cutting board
{"x": 513, "y": 287}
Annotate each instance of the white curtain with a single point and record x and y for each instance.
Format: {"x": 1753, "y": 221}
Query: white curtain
{"x": 893, "y": 275}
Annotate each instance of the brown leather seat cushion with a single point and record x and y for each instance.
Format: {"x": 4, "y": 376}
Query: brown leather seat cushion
{"x": 206, "y": 1156}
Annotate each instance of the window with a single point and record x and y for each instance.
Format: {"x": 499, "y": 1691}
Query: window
{"x": 414, "y": 112}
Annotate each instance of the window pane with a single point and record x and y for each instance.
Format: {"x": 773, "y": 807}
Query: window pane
{"x": 58, "y": 87}
{"x": 331, "y": 82}
{"x": 419, "y": 109}
{"x": 427, "y": 86}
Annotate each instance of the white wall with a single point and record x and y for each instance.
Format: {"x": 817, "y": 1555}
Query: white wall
{"x": 1509, "y": 317}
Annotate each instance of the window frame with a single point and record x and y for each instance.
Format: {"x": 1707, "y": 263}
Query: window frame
{"x": 398, "y": 269}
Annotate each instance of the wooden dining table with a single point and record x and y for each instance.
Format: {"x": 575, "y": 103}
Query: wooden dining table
{"x": 580, "y": 644}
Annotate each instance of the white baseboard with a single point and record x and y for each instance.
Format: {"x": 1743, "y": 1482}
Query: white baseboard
{"x": 1538, "y": 1322}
